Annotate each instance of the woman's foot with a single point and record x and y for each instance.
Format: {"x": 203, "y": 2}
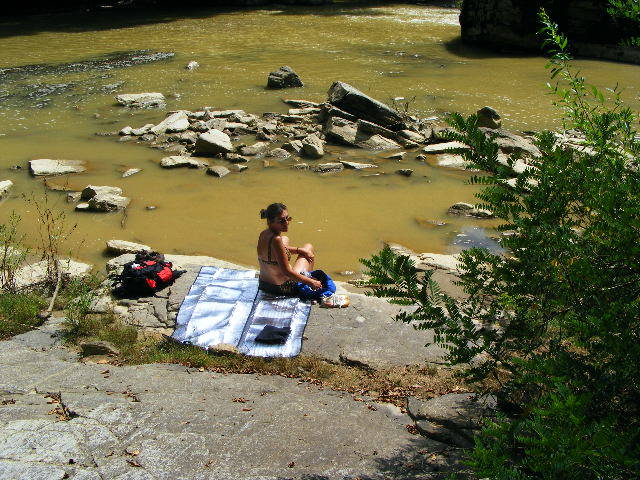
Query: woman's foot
{"x": 336, "y": 301}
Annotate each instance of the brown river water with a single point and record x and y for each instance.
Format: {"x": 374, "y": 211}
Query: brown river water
{"x": 385, "y": 50}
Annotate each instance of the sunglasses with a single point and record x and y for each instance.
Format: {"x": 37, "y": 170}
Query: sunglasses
{"x": 282, "y": 221}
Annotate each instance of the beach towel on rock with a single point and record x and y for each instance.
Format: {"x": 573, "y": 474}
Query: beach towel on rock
{"x": 225, "y": 306}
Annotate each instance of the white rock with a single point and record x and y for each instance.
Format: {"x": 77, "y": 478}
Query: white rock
{"x": 451, "y": 160}
{"x": 176, "y": 122}
{"x": 218, "y": 171}
{"x": 130, "y": 171}
{"x": 46, "y": 166}
{"x": 108, "y": 202}
{"x": 426, "y": 261}
{"x": 141, "y": 100}
{"x": 5, "y": 186}
{"x": 443, "y": 147}
{"x": 357, "y": 165}
{"x": 142, "y": 130}
{"x": 126, "y": 131}
{"x": 36, "y": 273}
{"x": 176, "y": 161}
{"x": 411, "y": 135}
{"x": 213, "y": 142}
{"x": 468, "y": 210}
{"x": 91, "y": 191}
{"x": 82, "y": 207}
{"x": 255, "y": 149}
{"x": 122, "y": 246}
{"x": 192, "y": 65}
{"x": 225, "y": 113}
{"x": 312, "y": 147}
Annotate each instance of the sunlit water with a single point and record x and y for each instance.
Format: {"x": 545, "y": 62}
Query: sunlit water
{"x": 386, "y": 51}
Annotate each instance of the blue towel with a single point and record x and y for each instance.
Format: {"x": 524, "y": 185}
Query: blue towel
{"x": 328, "y": 287}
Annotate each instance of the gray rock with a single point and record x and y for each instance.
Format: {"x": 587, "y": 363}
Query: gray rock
{"x": 5, "y": 186}
{"x": 255, "y": 149}
{"x": 126, "y": 131}
{"x": 312, "y": 147}
{"x": 357, "y": 165}
{"x": 175, "y": 122}
{"x": 142, "y": 130}
{"x": 364, "y": 127}
{"x": 236, "y": 158}
{"x": 36, "y": 273}
{"x": 429, "y": 261}
{"x": 511, "y": 143}
{"x": 329, "y": 111}
{"x": 91, "y": 191}
{"x": 405, "y": 172}
{"x": 469, "y": 210}
{"x": 443, "y": 147}
{"x": 45, "y": 166}
{"x": 211, "y": 114}
{"x": 213, "y": 142}
{"x": 284, "y": 77}
{"x": 192, "y": 65}
{"x": 300, "y": 166}
{"x": 451, "y": 160}
{"x": 73, "y": 197}
{"x": 375, "y": 142}
{"x": 294, "y": 146}
{"x": 240, "y": 168}
{"x": 178, "y": 161}
{"x": 489, "y": 118}
{"x": 344, "y": 132}
{"x": 411, "y": 136}
{"x": 108, "y": 202}
{"x": 352, "y": 100}
{"x": 279, "y": 153}
{"x": 130, "y": 171}
{"x": 141, "y": 100}
{"x": 218, "y": 171}
{"x": 301, "y": 103}
{"x": 98, "y": 347}
{"x": 329, "y": 167}
{"x": 120, "y": 247}
{"x": 304, "y": 111}
{"x": 396, "y": 156}
{"x": 200, "y": 126}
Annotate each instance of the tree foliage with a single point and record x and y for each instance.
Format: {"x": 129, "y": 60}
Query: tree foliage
{"x": 555, "y": 323}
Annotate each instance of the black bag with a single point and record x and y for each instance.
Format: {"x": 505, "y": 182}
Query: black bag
{"x": 145, "y": 275}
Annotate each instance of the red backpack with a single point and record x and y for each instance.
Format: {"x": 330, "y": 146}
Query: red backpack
{"x": 147, "y": 274}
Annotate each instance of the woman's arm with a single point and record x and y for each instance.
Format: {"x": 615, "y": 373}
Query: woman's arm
{"x": 285, "y": 267}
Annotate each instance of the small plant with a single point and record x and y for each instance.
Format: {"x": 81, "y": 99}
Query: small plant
{"x": 53, "y": 232}
{"x": 403, "y": 106}
{"x": 78, "y": 295}
{"x": 13, "y": 253}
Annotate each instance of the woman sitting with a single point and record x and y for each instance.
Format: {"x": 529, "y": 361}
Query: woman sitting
{"x": 277, "y": 276}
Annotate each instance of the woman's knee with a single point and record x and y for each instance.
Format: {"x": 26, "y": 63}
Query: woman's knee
{"x": 309, "y": 247}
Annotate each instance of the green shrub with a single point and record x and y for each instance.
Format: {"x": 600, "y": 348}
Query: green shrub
{"x": 19, "y": 313}
{"x": 556, "y": 322}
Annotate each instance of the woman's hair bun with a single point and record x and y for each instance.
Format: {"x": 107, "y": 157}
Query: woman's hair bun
{"x": 263, "y": 213}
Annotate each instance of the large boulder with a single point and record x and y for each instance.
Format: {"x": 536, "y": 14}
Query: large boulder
{"x": 141, "y": 100}
{"x": 511, "y": 143}
{"x": 284, "y": 77}
{"x": 175, "y": 122}
{"x": 213, "y": 142}
{"x": 45, "y": 166}
{"x": 488, "y": 117}
{"x": 352, "y": 100}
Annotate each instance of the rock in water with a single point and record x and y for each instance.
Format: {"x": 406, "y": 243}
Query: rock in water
{"x": 469, "y": 210}
{"x": 192, "y": 65}
{"x": 489, "y": 118}
{"x": 213, "y": 142}
{"x": 284, "y": 77}
{"x": 45, "y": 166}
{"x": 91, "y": 191}
{"x": 218, "y": 171}
{"x": 177, "y": 161}
{"x": 175, "y": 122}
{"x": 5, "y": 186}
{"x": 353, "y": 101}
{"x": 329, "y": 167}
{"x": 108, "y": 202}
{"x": 141, "y": 100}
{"x": 312, "y": 147}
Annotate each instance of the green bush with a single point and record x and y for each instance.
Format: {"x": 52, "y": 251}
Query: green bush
{"x": 555, "y": 324}
{"x": 19, "y": 313}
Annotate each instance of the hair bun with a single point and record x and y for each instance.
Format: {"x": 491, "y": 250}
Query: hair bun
{"x": 263, "y": 213}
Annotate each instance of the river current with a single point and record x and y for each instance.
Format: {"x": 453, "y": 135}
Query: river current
{"x": 53, "y": 108}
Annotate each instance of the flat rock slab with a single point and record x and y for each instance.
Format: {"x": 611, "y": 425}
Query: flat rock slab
{"x": 141, "y": 100}
{"x": 46, "y": 166}
{"x": 168, "y": 421}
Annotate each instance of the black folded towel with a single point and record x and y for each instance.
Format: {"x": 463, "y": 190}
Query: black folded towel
{"x": 273, "y": 335}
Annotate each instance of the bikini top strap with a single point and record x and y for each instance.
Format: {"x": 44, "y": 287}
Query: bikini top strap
{"x": 269, "y": 248}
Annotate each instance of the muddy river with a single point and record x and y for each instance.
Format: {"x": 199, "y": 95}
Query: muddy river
{"x": 64, "y": 91}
